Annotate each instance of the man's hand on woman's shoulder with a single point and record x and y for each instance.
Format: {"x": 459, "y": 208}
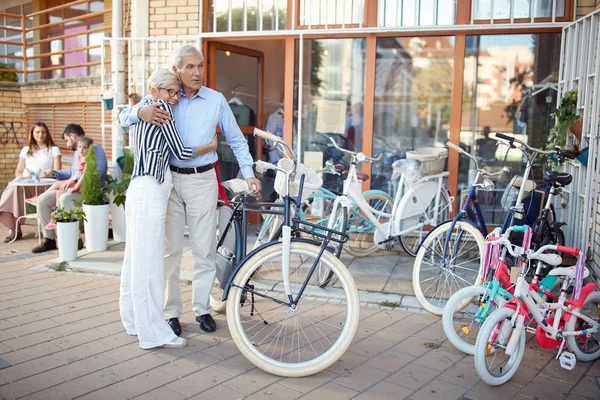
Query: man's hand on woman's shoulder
{"x": 154, "y": 115}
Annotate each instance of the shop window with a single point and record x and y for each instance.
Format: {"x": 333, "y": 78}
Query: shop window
{"x": 252, "y": 15}
{"x": 416, "y": 12}
{"x": 501, "y": 9}
{"x": 509, "y": 87}
{"x": 333, "y": 83}
{"x": 413, "y": 95}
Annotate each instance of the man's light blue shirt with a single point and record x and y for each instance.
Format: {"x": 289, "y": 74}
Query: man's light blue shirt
{"x": 196, "y": 120}
{"x": 101, "y": 162}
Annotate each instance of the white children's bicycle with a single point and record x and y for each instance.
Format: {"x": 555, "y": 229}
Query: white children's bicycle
{"x": 419, "y": 205}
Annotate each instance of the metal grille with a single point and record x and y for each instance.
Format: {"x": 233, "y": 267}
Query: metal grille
{"x": 580, "y": 69}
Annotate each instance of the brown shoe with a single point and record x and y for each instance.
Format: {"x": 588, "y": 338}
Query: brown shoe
{"x": 47, "y": 245}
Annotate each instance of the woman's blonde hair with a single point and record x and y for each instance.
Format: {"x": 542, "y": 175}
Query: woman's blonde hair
{"x": 161, "y": 79}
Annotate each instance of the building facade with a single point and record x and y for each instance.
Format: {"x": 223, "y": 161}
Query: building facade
{"x": 378, "y": 76}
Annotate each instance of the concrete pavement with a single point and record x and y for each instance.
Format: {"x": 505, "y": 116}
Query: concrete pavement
{"x": 61, "y": 338}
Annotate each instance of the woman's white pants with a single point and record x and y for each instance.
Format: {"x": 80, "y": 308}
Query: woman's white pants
{"x": 142, "y": 276}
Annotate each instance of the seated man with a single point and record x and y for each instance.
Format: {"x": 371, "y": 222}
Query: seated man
{"x": 47, "y": 201}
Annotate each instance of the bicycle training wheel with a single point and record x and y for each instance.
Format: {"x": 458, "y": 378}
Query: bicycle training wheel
{"x": 435, "y": 277}
{"x": 585, "y": 347}
{"x": 283, "y": 339}
{"x": 411, "y": 241}
{"x": 493, "y": 365}
{"x": 340, "y": 224}
{"x": 361, "y": 230}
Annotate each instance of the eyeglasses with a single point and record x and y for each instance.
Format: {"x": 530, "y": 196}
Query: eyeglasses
{"x": 171, "y": 92}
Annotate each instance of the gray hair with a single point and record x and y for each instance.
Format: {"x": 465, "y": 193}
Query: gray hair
{"x": 161, "y": 78}
{"x": 184, "y": 51}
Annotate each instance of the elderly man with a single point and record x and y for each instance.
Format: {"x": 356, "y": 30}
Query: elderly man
{"x": 47, "y": 201}
{"x": 193, "y": 198}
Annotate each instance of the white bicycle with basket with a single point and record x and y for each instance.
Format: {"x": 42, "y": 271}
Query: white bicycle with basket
{"x": 421, "y": 203}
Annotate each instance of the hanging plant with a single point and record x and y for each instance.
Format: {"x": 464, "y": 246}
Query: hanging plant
{"x": 566, "y": 117}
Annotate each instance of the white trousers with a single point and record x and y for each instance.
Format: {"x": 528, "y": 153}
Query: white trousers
{"x": 142, "y": 275}
{"x": 193, "y": 201}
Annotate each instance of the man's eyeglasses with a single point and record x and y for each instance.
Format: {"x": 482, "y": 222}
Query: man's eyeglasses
{"x": 171, "y": 92}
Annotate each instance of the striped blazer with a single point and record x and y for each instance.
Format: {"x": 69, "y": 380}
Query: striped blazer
{"x": 153, "y": 146}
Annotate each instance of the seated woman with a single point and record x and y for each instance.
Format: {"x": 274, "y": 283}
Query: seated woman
{"x": 142, "y": 275}
{"x": 38, "y": 157}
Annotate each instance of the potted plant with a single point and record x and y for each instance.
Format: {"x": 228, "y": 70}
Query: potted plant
{"x": 134, "y": 97}
{"x": 95, "y": 204}
{"x": 116, "y": 190}
{"x": 8, "y": 76}
{"x": 566, "y": 120}
{"x": 67, "y": 230}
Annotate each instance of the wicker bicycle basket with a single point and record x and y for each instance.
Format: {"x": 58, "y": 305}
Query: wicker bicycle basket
{"x": 312, "y": 181}
{"x": 432, "y": 159}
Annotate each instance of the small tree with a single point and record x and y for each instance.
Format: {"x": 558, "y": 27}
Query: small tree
{"x": 91, "y": 188}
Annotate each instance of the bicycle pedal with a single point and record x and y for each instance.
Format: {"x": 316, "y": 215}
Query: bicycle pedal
{"x": 567, "y": 360}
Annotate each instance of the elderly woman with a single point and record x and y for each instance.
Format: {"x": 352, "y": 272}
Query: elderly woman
{"x": 39, "y": 156}
{"x": 142, "y": 275}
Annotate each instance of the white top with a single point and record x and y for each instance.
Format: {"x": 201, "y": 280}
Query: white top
{"x": 41, "y": 160}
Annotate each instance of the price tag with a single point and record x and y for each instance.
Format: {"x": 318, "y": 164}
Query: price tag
{"x": 317, "y": 207}
{"x": 514, "y": 274}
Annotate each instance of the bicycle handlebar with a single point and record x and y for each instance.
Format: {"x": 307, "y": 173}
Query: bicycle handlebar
{"x": 359, "y": 156}
{"x": 513, "y": 140}
{"x": 454, "y": 147}
{"x": 503, "y": 240}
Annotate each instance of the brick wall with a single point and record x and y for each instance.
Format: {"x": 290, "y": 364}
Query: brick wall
{"x": 13, "y": 130}
{"x": 61, "y": 91}
{"x": 173, "y": 17}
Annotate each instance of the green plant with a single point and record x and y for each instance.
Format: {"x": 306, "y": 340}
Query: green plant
{"x": 566, "y": 116}
{"x": 392, "y": 304}
{"x": 61, "y": 215}
{"x": 118, "y": 187}
{"x": 8, "y": 76}
{"x": 92, "y": 193}
{"x": 59, "y": 267}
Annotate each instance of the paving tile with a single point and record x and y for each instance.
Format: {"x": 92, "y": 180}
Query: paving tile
{"x": 483, "y": 391}
{"x": 555, "y": 372}
{"x": 438, "y": 360}
{"x": 33, "y": 307}
{"x": 200, "y": 381}
{"x": 223, "y": 350}
{"x": 346, "y": 362}
{"x": 536, "y": 358}
{"x": 31, "y": 353}
{"x": 164, "y": 393}
{"x": 189, "y": 364}
{"x": 74, "y": 315}
{"x": 136, "y": 366}
{"x": 235, "y": 365}
{"x": 31, "y": 384}
{"x": 31, "y": 317}
{"x": 361, "y": 377}
{"x": 385, "y": 390}
{"x": 77, "y": 339}
{"x": 104, "y": 394}
{"x": 579, "y": 397}
{"x": 220, "y": 392}
{"x": 83, "y": 367}
{"x": 78, "y": 387}
{"x": 32, "y": 339}
{"x": 252, "y": 381}
{"x": 413, "y": 376}
{"x": 275, "y": 391}
{"x": 32, "y": 327}
{"x": 437, "y": 389}
{"x": 193, "y": 346}
{"x": 390, "y": 361}
{"x": 370, "y": 347}
{"x": 546, "y": 388}
{"x": 308, "y": 383}
{"x": 415, "y": 346}
{"x": 123, "y": 353}
{"x": 462, "y": 374}
{"x": 117, "y": 340}
{"x": 587, "y": 386}
{"x": 394, "y": 333}
{"x": 144, "y": 382}
{"x": 331, "y": 391}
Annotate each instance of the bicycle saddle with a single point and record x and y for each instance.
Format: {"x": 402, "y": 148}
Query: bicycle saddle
{"x": 568, "y": 271}
{"x": 558, "y": 178}
{"x": 363, "y": 177}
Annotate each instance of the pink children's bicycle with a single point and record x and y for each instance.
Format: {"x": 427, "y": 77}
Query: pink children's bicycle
{"x": 572, "y": 321}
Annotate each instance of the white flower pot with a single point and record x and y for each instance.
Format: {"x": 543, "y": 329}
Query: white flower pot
{"x": 68, "y": 236}
{"x": 119, "y": 226}
{"x": 96, "y": 227}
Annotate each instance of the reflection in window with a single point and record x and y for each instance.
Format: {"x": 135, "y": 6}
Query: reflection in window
{"x": 317, "y": 12}
{"x": 332, "y": 99}
{"x": 483, "y": 9}
{"x": 509, "y": 83}
{"x": 248, "y": 15}
{"x": 416, "y": 12}
{"x": 413, "y": 94}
